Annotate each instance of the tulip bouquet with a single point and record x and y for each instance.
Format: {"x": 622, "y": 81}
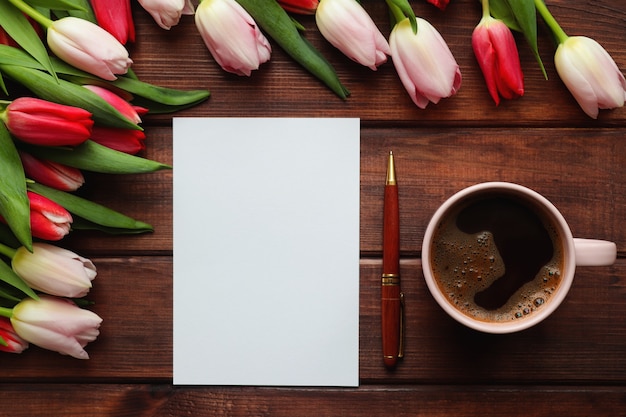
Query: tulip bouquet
{"x": 71, "y": 104}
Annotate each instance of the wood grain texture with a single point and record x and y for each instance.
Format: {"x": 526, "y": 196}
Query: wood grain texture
{"x": 572, "y": 364}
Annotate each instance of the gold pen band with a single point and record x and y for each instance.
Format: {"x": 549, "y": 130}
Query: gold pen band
{"x": 390, "y": 279}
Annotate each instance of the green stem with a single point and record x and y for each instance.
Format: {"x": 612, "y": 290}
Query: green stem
{"x": 558, "y": 33}
{"x": 397, "y": 14}
{"x": 38, "y": 17}
{"x": 7, "y": 251}
{"x": 6, "y": 312}
{"x": 486, "y": 12}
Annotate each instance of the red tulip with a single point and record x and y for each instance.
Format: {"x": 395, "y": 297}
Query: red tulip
{"x": 42, "y": 122}
{"x": 48, "y": 220}
{"x": 52, "y": 174}
{"x": 115, "y": 17}
{"x": 440, "y": 4}
{"x": 15, "y": 344}
{"x": 128, "y": 141}
{"x": 131, "y": 112}
{"x": 299, "y": 6}
{"x": 496, "y": 52}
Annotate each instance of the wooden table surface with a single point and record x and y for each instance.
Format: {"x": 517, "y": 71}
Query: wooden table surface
{"x": 573, "y": 364}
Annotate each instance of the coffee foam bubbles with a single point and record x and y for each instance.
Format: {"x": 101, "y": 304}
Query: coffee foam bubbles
{"x": 466, "y": 264}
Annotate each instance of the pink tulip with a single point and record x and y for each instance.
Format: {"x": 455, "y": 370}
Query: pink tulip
{"x": 348, "y": 27}
{"x": 56, "y": 324}
{"x": 232, "y": 36}
{"x": 42, "y": 122}
{"x": 121, "y": 105}
{"x": 115, "y": 17}
{"x": 54, "y": 270}
{"x": 496, "y": 52}
{"x": 590, "y": 74}
{"x": 424, "y": 62}
{"x": 48, "y": 220}
{"x": 15, "y": 344}
{"x": 129, "y": 141}
{"x": 52, "y": 174}
{"x": 87, "y": 46}
{"x": 299, "y": 6}
{"x": 167, "y": 13}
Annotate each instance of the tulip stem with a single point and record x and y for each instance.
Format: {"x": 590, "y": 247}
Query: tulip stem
{"x": 557, "y": 31}
{"x": 6, "y": 312}
{"x": 7, "y": 251}
{"x": 486, "y": 11}
{"x": 30, "y": 11}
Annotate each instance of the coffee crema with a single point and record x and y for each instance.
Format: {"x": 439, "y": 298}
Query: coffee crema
{"x": 496, "y": 259}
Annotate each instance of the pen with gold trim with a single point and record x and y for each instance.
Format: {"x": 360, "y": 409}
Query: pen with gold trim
{"x": 392, "y": 299}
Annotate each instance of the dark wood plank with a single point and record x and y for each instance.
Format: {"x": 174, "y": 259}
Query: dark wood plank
{"x": 583, "y": 342}
{"x": 436, "y": 401}
{"x": 580, "y": 170}
{"x": 133, "y": 295}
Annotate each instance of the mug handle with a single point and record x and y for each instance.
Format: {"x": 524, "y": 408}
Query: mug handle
{"x": 593, "y": 252}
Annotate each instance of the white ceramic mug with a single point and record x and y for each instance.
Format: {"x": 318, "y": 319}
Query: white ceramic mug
{"x": 576, "y": 252}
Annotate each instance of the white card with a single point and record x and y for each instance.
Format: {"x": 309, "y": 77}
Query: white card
{"x": 266, "y": 251}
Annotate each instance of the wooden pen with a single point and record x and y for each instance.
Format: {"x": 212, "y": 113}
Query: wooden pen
{"x": 392, "y": 299}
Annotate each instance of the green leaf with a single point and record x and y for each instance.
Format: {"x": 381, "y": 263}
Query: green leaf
{"x": 521, "y": 16}
{"x": 19, "y": 28}
{"x": 278, "y": 25}
{"x": 80, "y": 8}
{"x": 91, "y": 211}
{"x": 58, "y": 4}
{"x": 82, "y": 224}
{"x": 91, "y": 156}
{"x": 14, "y": 204}
{"x": 65, "y": 92}
{"x": 157, "y": 99}
{"x": 7, "y": 275}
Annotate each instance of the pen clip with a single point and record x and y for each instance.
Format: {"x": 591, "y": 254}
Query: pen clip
{"x": 401, "y": 344}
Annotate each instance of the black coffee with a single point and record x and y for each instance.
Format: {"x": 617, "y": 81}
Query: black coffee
{"x": 496, "y": 259}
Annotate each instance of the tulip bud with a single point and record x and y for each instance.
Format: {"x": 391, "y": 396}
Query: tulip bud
{"x": 232, "y": 36}
{"x": 590, "y": 74}
{"x": 348, "y": 27}
{"x": 45, "y": 123}
{"x": 496, "y": 52}
{"x": 15, "y": 344}
{"x": 115, "y": 17}
{"x": 130, "y": 141}
{"x": 299, "y": 6}
{"x": 87, "y": 46}
{"x": 52, "y": 174}
{"x": 424, "y": 62}
{"x": 440, "y": 4}
{"x": 167, "y": 13}
{"x": 48, "y": 220}
{"x": 121, "y": 105}
{"x": 54, "y": 270}
{"x": 56, "y": 324}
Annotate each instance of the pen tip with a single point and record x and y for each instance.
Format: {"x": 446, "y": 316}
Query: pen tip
{"x": 391, "y": 171}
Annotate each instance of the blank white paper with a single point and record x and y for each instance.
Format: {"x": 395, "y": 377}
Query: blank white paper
{"x": 266, "y": 251}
